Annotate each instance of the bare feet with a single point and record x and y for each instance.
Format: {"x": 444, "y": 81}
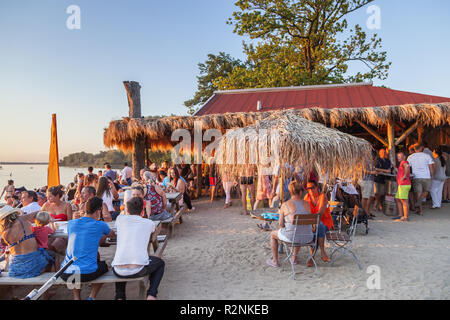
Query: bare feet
{"x": 151, "y": 298}
{"x": 310, "y": 263}
{"x": 271, "y": 263}
{"x": 325, "y": 258}
{"x": 294, "y": 260}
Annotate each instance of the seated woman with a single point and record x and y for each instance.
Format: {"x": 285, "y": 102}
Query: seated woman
{"x": 156, "y": 197}
{"x": 26, "y": 260}
{"x": 106, "y": 190}
{"x": 318, "y": 205}
{"x": 302, "y": 234}
{"x": 59, "y": 211}
{"x": 178, "y": 184}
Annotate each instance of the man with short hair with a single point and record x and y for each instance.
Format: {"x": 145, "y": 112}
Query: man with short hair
{"x": 126, "y": 174}
{"x": 84, "y": 238}
{"x": 422, "y": 166}
{"x": 29, "y": 201}
{"x": 88, "y": 193}
{"x": 382, "y": 165}
{"x": 109, "y": 172}
{"x": 131, "y": 259}
{"x": 42, "y": 198}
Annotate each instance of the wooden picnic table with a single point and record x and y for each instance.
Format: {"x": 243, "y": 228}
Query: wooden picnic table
{"x": 174, "y": 199}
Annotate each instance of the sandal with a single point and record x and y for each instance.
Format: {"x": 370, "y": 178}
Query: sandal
{"x": 270, "y": 263}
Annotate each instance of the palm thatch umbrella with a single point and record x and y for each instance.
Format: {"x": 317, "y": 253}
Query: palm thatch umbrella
{"x": 287, "y": 138}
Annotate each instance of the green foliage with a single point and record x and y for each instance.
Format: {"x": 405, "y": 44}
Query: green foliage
{"x": 215, "y": 66}
{"x": 114, "y": 157}
{"x": 300, "y": 42}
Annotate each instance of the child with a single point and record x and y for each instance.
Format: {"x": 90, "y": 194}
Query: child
{"x": 41, "y": 231}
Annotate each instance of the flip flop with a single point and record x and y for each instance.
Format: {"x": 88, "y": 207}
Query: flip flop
{"x": 270, "y": 263}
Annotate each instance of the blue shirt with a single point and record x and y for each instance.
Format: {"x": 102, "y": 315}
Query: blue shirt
{"x": 84, "y": 238}
{"x": 111, "y": 173}
{"x": 166, "y": 181}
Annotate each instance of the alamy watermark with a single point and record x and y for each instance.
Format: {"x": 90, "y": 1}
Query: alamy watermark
{"x": 374, "y": 20}
{"x": 374, "y": 280}
{"x": 73, "y": 22}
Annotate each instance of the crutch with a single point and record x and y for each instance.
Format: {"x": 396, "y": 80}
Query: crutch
{"x": 36, "y": 294}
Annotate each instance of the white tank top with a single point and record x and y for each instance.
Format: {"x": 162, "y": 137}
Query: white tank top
{"x": 108, "y": 199}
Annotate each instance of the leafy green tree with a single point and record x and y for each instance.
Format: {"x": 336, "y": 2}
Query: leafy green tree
{"x": 301, "y": 42}
{"x": 215, "y": 66}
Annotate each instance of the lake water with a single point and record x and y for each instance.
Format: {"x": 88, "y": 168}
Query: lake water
{"x": 33, "y": 176}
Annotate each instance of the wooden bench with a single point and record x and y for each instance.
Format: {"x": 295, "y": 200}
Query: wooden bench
{"x": 108, "y": 277}
{"x": 170, "y": 223}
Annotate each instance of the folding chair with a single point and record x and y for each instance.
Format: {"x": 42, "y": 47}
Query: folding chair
{"x": 302, "y": 220}
{"x": 342, "y": 241}
{"x": 337, "y": 210}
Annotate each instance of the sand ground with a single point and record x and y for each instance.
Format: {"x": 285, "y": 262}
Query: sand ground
{"x": 220, "y": 254}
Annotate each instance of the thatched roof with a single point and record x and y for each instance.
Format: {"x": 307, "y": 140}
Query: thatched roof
{"x": 286, "y": 138}
{"x": 122, "y": 133}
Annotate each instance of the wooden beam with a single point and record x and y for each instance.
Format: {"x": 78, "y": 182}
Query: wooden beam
{"x": 391, "y": 140}
{"x": 372, "y": 132}
{"x": 407, "y": 133}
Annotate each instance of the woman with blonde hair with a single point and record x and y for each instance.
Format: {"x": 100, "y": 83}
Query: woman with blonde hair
{"x": 288, "y": 231}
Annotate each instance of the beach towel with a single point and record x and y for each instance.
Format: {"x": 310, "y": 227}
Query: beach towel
{"x": 29, "y": 265}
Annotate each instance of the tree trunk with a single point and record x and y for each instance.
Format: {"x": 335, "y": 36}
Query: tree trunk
{"x": 133, "y": 89}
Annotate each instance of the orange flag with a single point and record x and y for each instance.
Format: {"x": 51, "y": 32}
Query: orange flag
{"x": 53, "y": 162}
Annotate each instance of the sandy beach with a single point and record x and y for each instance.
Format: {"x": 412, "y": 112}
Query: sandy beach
{"x": 219, "y": 254}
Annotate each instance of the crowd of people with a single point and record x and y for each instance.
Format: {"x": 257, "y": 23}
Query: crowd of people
{"x": 29, "y": 217}
{"x": 92, "y": 200}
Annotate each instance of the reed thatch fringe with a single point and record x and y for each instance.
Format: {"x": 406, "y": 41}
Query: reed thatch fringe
{"x": 121, "y": 133}
{"x": 288, "y": 138}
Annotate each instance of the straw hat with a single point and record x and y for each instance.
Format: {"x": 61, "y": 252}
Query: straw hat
{"x": 6, "y": 211}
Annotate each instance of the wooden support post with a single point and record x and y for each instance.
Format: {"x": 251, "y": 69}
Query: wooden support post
{"x": 282, "y": 184}
{"x": 373, "y": 133}
{"x": 391, "y": 140}
{"x": 407, "y": 133}
{"x": 199, "y": 180}
{"x": 420, "y": 134}
{"x": 133, "y": 89}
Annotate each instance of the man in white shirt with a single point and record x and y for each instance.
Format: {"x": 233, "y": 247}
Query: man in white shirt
{"x": 131, "y": 259}
{"x": 29, "y": 202}
{"x": 422, "y": 166}
{"x": 126, "y": 173}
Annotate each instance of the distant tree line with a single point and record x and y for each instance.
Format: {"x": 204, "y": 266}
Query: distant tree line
{"x": 114, "y": 157}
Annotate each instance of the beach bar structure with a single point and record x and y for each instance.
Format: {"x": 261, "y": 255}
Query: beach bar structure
{"x": 382, "y": 116}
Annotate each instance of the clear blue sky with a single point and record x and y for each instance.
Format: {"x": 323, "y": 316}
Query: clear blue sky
{"x": 46, "y": 68}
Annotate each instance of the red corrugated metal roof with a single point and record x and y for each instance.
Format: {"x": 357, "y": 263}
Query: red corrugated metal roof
{"x": 326, "y": 96}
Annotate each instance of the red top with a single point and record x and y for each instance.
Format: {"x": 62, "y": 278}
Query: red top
{"x": 59, "y": 217}
{"x": 401, "y": 172}
{"x": 41, "y": 235}
{"x": 326, "y": 219}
